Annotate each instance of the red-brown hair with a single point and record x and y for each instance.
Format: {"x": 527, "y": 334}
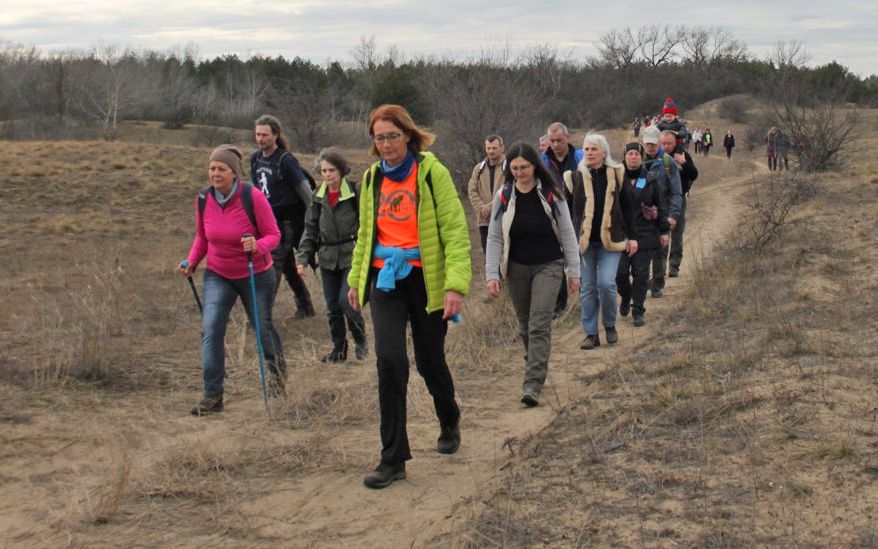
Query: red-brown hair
{"x": 420, "y": 140}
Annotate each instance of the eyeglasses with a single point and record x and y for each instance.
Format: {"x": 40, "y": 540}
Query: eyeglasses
{"x": 521, "y": 168}
{"x": 389, "y": 138}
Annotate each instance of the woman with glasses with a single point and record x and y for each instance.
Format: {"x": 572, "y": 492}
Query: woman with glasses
{"x": 530, "y": 240}
{"x": 412, "y": 262}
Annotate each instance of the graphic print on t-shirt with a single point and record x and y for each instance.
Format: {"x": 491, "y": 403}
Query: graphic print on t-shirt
{"x": 263, "y": 184}
{"x": 399, "y": 205}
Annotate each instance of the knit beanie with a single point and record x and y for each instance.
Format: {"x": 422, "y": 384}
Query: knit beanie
{"x": 229, "y": 155}
{"x": 634, "y": 146}
{"x": 651, "y": 135}
{"x": 670, "y": 107}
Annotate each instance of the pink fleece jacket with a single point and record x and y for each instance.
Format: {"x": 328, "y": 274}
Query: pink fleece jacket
{"x": 218, "y": 235}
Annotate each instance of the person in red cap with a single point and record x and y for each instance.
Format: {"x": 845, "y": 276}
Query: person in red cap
{"x": 671, "y": 121}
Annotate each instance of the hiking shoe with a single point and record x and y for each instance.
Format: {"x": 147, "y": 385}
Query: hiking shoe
{"x": 624, "y": 308}
{"x": 277, "y": 386}
{"x": 657, "y": 293}
{"x": 673, "y": 272}
{"x": 384, "y": 475}
{"x": 612, "y": 335}
{"x": 638, "y": 320}
{"x": 590, "y": 342}
{"x": 208, "y": 405}
{"x": 304, "y": 312}
{"x": 449, "y": 439}
{"x": 339, "y": 353}
{"x": 361, "y": 349}
{"x": 530, "y": 398}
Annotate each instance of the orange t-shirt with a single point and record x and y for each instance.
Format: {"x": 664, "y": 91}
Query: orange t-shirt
{"x": 397, "y": 216}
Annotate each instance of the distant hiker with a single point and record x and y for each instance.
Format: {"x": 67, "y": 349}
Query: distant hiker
{"x": 276, "y": 172}
{"x": 671, "y": 122}
{"x": 706, "y": 142}
{"x": 331, "y": 226}
{"x": 771, "y": 147}
{"x": 636, "y": 126}
{"x": 696, "y": 139}
{"x": 729, "y": 143}
{"x": 783, "y": 145}
{"x": 530, "y": 240}
{"x": 668, "y": 175}
{"x": 601, "y": 217}
{"x": 486, "y": 178}
{"x": 688, "y": 175}
{"x": 544, "y": 143}
{"x": 412, "y": 260}
{"x": 649, "y": 228}
{"x": 561, "y": 157}
{"x": 225, "y": 211}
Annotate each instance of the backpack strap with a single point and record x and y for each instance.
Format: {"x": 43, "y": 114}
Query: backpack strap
{"x": 505, "y": 196}
{"x": 246, "y": 202}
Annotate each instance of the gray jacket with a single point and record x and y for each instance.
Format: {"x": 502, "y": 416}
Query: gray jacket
{"x": 497, "y": 250}
{"x": 668, "y": 177}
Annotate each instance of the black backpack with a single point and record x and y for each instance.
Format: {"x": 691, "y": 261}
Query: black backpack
{"x": 246, "y": 201}
{"x": 280, "y": 173}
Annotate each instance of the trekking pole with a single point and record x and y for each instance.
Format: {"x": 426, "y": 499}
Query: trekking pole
{"x": 184, "y": 264}
{"x": 255, "y": 313}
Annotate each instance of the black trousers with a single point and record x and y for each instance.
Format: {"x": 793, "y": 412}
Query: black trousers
{"x": 284, "y": 257}
{"x": 391, "y": 311}
{"x": 636, "y": 267}
{"x": 335, "y": 293}
{"x": 483, "y": 233}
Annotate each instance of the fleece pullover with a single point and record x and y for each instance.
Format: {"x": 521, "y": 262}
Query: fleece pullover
{"x": 218, "y": 235}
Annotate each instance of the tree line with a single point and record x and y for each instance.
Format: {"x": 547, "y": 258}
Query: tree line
{"x": 499, "y": 89}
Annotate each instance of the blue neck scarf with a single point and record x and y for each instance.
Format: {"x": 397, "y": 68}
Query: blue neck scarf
{"x": 402, "y": 170}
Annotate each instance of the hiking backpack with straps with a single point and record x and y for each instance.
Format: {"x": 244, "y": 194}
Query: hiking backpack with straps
{"x": 246, "y": 201}
{"x": 506, "y": 195}
{"x": 280, "y": 173}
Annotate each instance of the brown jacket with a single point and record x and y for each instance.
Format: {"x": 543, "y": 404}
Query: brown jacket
{"x": 479, "y": 189}
{"x": 613, "y": 225}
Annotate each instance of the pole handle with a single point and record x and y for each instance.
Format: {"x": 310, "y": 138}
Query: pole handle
{"x": 249, "y": 254}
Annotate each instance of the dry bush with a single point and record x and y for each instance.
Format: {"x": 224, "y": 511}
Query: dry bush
{"x": 734, "y": 108}
{"x": 773, "y": 200}
{"x": 101, "y": 505}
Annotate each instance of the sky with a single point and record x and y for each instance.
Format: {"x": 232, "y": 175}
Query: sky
{"x": 324, "y": 30}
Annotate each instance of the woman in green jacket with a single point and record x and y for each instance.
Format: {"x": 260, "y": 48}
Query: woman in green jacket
{"x": 412, "y": 261}
{"x": 331, "y": 230}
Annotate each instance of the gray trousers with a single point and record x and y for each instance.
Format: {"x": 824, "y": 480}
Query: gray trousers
{"x": 533, "y": 290}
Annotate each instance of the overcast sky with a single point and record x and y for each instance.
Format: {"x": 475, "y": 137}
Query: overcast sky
{"x": 840, "y": 30}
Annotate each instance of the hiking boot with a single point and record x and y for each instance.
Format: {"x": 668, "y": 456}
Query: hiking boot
{"x": 612, "y": 335}
{"x": 590, "y": 342}
{"x": 657, "y": 293}
{"x": 304, "y": 312}
{"x": 339, "y": 353}
{"x": 208, "y": 405}
{"x": 384, "y": 475}
{"x": 673, "y": 272}
{"x": 449, "y": 439}
{"x": 624, "y": 308}
{"x": 361, "y": 349}
{"x": 638, "y": 320}
{"x": 277, "y": 386}
{"x": 530, "y": 398}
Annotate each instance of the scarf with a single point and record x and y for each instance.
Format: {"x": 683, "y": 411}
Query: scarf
{"x": 402, "y": 170}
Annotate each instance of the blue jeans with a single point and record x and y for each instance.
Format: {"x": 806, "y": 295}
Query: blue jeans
{"x": 220, "y": 294}
{"x": 598, "y": 286}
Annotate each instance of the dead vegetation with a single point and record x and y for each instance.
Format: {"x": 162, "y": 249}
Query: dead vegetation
{"x": 738, "y": 425}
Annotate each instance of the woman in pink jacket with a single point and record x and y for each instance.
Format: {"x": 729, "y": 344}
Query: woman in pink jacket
{"x": 223, "y": 215}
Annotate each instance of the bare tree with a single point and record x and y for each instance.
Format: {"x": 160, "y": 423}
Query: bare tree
{"x": 658, "y": 44}
{"x": 109, "y": 84}
{"x": 704, "y": 45}
{"x": 365, "y": 54}
{"x": 792, "y": 54}
{"x": 619, "y": 48}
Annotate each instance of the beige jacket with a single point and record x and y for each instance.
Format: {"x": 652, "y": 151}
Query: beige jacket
{"x": 479, "y": 189}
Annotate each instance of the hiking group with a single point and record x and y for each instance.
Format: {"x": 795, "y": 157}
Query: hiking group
{"x": 553, "y": 222}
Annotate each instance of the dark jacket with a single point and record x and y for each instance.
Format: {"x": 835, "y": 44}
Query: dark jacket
{"x": 729, "y": 141}
{"x": 331, "y": 232}
{"x": 616, "y": 217}
{"x": 570, "y": 163}
{"x": 667, "y": 172}
{"x": 688, "y": 173}
{"x": 645, "y": 190}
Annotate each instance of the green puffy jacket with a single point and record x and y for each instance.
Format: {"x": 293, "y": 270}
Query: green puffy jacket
{"x": 442, "y": 232}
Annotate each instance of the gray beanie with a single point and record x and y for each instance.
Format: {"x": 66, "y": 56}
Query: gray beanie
{"x": 229, "y": 155}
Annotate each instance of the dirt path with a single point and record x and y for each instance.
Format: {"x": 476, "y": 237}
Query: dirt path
{"x": 336, "y": 509}
{"x": 303, "y": 486}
